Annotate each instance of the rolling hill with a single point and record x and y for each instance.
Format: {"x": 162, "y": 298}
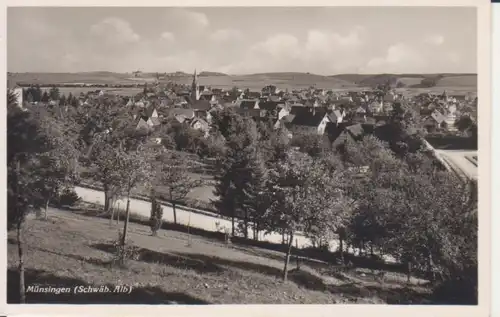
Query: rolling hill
{"x": 410, "y": 80}
{"x": 284, "y": 80}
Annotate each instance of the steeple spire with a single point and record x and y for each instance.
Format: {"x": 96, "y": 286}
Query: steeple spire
{"x": 195, "y": 93}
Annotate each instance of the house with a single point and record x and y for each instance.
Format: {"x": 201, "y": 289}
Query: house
{"x": 345, "y": 133}
{"x": 151, "y": 112}
{"x": 182, "y": 114}
{"x": 254, "y": 113}
{"x": 274, "y": 109}
{"x": 360, "y": 110}
{"x": 130, "y": 102}
{"x": 435, "y": 121}
{"x": 388, "y": 107}
{"x": 249, "y": 104}
{"x": 201, "y": 125}
{"x": 309, "y": 121}
{"x": 336, "y": 116}
{"x": 142, "y": 124}
{"x": 375, "y": 107}
{"x": 251, "y": 95}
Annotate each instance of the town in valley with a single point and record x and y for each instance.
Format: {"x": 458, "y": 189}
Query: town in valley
{"x": 196, "y": 186}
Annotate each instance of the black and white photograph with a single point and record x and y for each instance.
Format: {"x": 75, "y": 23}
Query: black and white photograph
{"x": 242, "y": 155}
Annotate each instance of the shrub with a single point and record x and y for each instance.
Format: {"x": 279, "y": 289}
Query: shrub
{"x": 124, "y": 252}
{"x": 68, "y": 197}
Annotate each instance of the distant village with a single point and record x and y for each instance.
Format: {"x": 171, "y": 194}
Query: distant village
{"x": 336, "y": 115}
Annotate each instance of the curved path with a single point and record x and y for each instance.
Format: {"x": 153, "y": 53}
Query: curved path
{"x": 205, "y": 220}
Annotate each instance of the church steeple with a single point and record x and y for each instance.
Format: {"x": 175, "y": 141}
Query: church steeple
{"x": 195, "y": 90}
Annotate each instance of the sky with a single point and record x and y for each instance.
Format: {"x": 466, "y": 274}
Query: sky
{"x": 319, "y": 40}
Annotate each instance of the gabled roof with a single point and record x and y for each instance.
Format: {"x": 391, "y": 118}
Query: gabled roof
{"x": 334, "y": 115}
{"x": 247, "y": 104}
{"x": 308, "y": 118}
{"x": 268, "y": 105}
{"x": 438, "y": 116}
{"x": 149, "y": 110}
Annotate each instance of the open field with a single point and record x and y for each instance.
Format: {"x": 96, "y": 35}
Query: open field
{"x": 458, "y": 82}
{"x": 72, "y": 249}
{"x": 114, "y": 91}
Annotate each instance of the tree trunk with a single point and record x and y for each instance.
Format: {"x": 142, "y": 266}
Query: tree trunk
{"x": 232, "y": 224}
{"x": 245, "y": 225}
{"x": 432, "y": 274}
{"x": 22, "y": 291}
{"x": 46, "y": 208}
{"x": 341, "y": 248}
{"x": 371, "y": 250}
{"x": 408, "y": 273}
{"x": 283, "y": 237}
{"x": 111, "y": 217}
{"x": 287, "y": 258}
{"x": 127, "y": 214}
{"x": 297, "y": 251}
{"x": 106, "y": 198}
{"x": 175, "y": 213}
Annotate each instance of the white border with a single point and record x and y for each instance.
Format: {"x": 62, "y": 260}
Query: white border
{"x": 484, "y": 89}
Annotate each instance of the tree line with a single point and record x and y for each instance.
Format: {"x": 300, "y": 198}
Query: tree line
{"x": 382, "y": 197}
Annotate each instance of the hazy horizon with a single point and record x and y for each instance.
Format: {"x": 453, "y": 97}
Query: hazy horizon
{"x": 236, "y": 41}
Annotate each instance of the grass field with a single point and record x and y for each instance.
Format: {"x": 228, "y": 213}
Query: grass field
{"x": 115, "y": 91}
{"x": 289, "y": 81}
{"x": 71, "y": 249}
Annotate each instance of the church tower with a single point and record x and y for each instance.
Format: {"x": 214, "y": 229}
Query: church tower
{"x": 195, "y": 89}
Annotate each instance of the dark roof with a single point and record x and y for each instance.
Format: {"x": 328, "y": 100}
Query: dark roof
{"x": 150, "y": 109}
{"x": 268, "y": 105}
{"x": 309, "y": 118}
{"x": 253, "y": 94}
{"x": 249, "y": 112}
{"x": 247, "y": 104}
{"x": 201, "y": 105}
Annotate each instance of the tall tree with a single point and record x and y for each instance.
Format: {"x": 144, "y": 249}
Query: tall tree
{"x": 172, "y": 174}
{"x": 134, "y": 170}
{"x": 294, "y": 197}
{"x": 54, "y": 93}
{"x": 256, "y": 199}
{"x": 24, "y": 144}
{"x": 57, "y": 167}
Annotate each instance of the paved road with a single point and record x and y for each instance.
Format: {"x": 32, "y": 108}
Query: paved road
{"x": 201, "y": 221}
{"x": 461, "y": 160}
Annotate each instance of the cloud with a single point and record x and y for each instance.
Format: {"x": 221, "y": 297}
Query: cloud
{"x": 321, "y": 42}
{"x": 114, "y": 30}
{"x": 320, "y": 50}
{"x": 399, "y": 58}
{"x": 185, "y": 21}
{"x": 168, "y": 36}
{"x": 225, "y": 35}
{"x": 435, "y": 40}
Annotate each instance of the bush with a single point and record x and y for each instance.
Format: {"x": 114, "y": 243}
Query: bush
{"x": 461, "y": 290}
{"x": 156, "y": 216}
{"x": 68, "y": 197}
{"x": 122, "y": 253}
